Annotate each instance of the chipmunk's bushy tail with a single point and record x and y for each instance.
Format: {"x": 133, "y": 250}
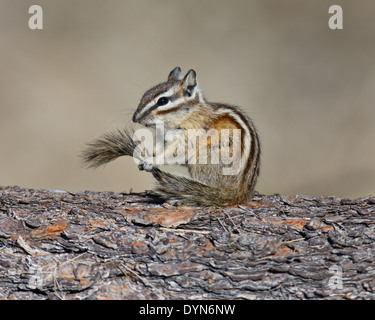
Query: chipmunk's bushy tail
{"x": 173, "y": 189}
{"x": 108, "y": 147}
{"x": 181, "y": 190}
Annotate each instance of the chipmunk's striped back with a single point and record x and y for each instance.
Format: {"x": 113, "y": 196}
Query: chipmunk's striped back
{"x": 250, "y": 145}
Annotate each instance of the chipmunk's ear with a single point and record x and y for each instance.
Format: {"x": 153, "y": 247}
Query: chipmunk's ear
{"x": 175, "y": 74}
{"x": 189, "y": 82}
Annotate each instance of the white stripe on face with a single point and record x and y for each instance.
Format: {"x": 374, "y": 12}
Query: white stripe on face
{"x": 153, "y": 102}
{"x": 172, "y": 104}
{"x": 174, "y": 91}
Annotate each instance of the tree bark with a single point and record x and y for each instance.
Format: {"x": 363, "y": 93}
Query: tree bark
{"x": 105, "y": 245}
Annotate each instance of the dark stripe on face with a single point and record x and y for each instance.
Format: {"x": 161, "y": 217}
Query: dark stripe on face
{"x": 185, "y": 104}
{"x": 150, "y": 95}
{"x": 154, "y": 107}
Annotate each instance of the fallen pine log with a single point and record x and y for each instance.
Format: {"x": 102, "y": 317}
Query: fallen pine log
{"x": 105, "y": 245}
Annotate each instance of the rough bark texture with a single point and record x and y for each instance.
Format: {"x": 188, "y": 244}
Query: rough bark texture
{"x": 105, "y": 245}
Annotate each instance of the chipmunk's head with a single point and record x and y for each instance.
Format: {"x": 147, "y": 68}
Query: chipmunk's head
{"x": 170, "y": 102}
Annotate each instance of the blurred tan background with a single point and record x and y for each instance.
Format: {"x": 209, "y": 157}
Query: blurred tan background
{"x": 309, "y": 89}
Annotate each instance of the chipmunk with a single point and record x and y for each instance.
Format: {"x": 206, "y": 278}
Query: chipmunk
{"x": 178, "y": 104}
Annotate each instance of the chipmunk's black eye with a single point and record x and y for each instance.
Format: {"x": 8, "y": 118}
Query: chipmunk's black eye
{"x": 162, "y": 101}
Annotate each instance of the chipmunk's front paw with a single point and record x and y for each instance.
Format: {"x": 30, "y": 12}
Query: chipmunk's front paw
{"x": 147, "y": 166}
{"x": 174, "y": 202}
